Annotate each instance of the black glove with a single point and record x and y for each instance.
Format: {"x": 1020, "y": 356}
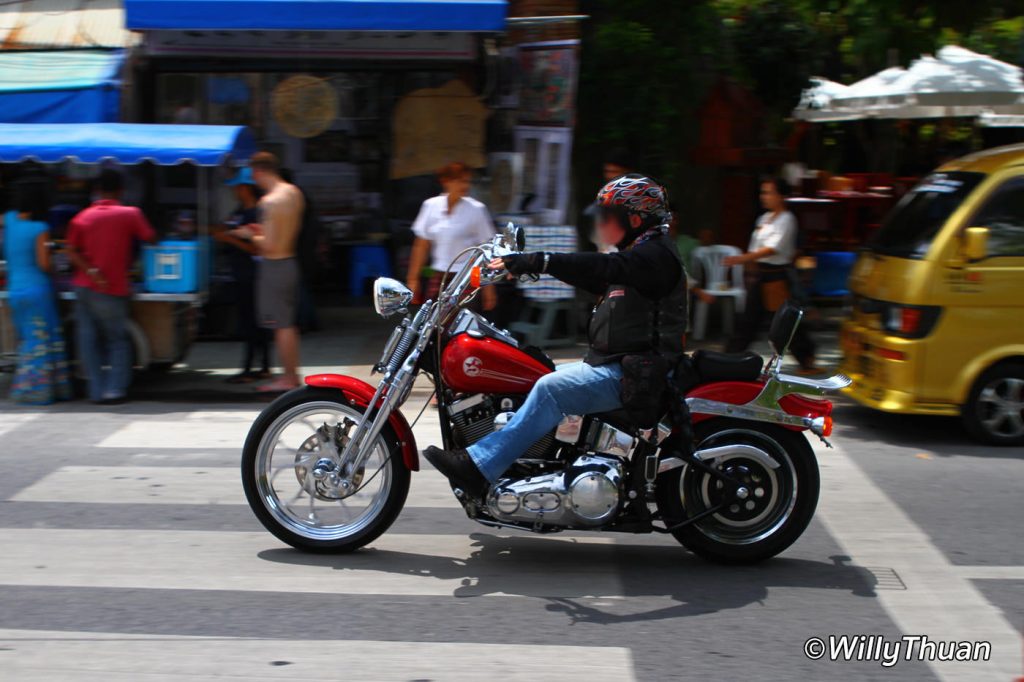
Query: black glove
{"x": 525, "y": 263}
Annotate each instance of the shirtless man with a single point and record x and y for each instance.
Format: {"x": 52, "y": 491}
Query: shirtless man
{"x": 277, "y": 283}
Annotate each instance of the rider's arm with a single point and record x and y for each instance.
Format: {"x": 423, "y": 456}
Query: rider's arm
{"x": 648, "y": 268}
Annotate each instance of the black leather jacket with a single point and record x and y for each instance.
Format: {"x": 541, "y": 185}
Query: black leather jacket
{"x": 643, "y": 298}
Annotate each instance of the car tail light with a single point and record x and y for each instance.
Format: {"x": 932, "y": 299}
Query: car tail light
{"x": 904, "y": 319}
{"x": 911, "y": 321}
{"x": 890, "y": 354}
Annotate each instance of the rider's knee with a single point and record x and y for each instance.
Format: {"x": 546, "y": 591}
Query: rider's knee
{"x": 548, "y": 385}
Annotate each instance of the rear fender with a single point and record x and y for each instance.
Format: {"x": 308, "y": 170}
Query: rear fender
{"x": 743, "y": 392}
{"x": 360, "y": 393}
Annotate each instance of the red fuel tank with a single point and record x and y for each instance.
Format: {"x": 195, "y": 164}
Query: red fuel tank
{"x": 484, "y": 365}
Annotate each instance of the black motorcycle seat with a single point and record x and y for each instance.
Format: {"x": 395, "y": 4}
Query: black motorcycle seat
{"x": 713, "y": 366}
{"x": 618, "y": 418}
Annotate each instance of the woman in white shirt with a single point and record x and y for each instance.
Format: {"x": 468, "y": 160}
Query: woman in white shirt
{"x": 770, "y": 254}
{"x": 447, "y": 224}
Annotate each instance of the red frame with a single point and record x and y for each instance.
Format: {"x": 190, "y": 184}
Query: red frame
{"x": 360, "y": 393}
{"x": 742, "y": 392}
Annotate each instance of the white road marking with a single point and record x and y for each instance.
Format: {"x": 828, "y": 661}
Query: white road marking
{"x": 41, "y": 656}
{"x": 187, "y": 434}
{"x": 222, "y": 415}
{"x": 990, "y": 572}
{"x": 395, "y": 564}
{"x": 188, "y": 485}
{"x": 13, "y": 420}
{"x": 939, "y": 601}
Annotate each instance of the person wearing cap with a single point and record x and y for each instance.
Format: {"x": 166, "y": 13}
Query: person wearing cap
{"x": 243, "y": 254}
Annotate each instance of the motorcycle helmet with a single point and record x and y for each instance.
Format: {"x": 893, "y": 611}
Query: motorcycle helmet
{"x": 635, "y": 194}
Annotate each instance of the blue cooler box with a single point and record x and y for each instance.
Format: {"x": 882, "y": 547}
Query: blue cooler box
{"x": 175, "y": 267}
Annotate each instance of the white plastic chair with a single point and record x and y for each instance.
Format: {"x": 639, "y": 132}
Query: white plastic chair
{"x": 719, "y": 281}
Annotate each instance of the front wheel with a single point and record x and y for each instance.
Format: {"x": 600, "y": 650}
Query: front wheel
{"x": 292, "y": 479}
{"x": 779, "y": 506}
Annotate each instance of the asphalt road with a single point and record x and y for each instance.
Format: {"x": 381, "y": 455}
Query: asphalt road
{"x": 128, "y": 554}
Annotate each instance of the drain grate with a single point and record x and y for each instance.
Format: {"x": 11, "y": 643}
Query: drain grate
{"x": 886, "y": 578}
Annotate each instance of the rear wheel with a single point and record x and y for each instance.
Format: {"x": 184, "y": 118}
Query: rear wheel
{"x": 994, "y": 411}
{"x": 295, "y": 486}
{"x": 779, "y": 504}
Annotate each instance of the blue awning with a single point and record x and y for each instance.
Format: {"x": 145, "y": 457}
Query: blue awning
{"x": 60, "y": 86}
{"x": 316, "y": 15}
{"x": 126, "y": 143}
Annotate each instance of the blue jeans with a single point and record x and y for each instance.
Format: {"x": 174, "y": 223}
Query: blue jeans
{"x": 575, "y": 388}
{"x": 104, "y": 348}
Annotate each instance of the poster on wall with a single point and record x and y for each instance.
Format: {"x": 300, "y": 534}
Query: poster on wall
{"x": 548, "y": 95}
{"x": 436, "y": 126}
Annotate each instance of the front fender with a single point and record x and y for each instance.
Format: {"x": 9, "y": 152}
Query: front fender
{"x": 360, "y": 393}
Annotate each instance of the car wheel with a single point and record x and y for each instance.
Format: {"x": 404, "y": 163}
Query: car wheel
{"x": 994, "y": 411}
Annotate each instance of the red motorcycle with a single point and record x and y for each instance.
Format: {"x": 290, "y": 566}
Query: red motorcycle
{"x": 327, "y": 467}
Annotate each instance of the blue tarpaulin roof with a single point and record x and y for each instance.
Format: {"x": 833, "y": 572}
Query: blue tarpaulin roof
{"x": 60, "y": 86}
{"x": 316, "y": 15}
{"x": 126, "y": 143}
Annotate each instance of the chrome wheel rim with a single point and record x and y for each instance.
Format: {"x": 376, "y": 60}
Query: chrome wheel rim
{"x": 773, "y": 492}
{"x": 296, "y": 450}
{"x": 1001, "y": 407}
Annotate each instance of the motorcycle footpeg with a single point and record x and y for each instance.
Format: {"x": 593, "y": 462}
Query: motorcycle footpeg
{"x": 470, "y": 505}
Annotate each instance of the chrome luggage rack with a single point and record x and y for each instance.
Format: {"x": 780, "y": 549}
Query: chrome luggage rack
{"x": 765, "y": 406}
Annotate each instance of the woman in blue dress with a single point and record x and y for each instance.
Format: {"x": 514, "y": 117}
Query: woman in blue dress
{"x": 41, "y": 376}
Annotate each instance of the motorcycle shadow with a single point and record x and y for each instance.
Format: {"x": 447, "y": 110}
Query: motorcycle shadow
{"x": 592, "y": 582}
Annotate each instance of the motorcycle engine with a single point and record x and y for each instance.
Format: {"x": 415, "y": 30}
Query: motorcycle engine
{"x": 475, "y": 416}
{"x": 587, "y": 493}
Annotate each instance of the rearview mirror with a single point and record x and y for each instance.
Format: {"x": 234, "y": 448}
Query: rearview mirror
{"x": 975, "y": 246}
{"x": 514, "y": 237}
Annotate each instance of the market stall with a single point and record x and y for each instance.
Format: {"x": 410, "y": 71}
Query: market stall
{"x": 174, "y": 273}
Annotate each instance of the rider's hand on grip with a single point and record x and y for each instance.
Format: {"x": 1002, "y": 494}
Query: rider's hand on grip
{"x": 525, "y": 263}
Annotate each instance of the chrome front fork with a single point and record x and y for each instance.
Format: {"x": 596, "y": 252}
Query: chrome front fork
{"x": 395, "y": 390}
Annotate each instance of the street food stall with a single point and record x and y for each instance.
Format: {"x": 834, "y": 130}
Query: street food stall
{"x": 172, "y": 283}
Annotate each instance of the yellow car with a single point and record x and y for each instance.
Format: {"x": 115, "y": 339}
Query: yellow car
{"x": 938, "y": 312}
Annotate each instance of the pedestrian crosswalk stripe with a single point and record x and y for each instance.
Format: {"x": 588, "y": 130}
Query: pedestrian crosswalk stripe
{"x": 187, "y": 485}
{"x": 12, "y": 421}
{"x": 199, "y": 430}
{"x": 938, "y": 601}
{"x": 194, "y": 434}
{"x": 42, "y": 656}
{"x": 395, "y": 564}
{"x": 245, "y": 416}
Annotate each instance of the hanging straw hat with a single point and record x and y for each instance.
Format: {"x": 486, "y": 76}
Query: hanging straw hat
{"x": 304, "y": 106}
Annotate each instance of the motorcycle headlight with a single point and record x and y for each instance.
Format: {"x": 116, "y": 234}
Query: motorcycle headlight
{"x": 390, "y": 296}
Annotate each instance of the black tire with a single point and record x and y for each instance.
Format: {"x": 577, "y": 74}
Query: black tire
{"x": 981, "y": 413}
{"x": 711, "y": 538}
{"x": 387, "y": 514}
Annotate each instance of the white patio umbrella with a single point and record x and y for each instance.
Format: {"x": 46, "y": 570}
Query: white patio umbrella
{"x": 958, "y": 82}
{"x": 872, "y": 93}
{"x": 1001, "y": 120}
{"x": 816, "y": 101}
{"x": 955, "y": 82}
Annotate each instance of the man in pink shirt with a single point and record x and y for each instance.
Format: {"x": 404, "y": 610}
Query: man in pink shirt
{"x": 101, "y": 242}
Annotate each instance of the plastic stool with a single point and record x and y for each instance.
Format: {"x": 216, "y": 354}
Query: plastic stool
{"x": 365, "y": 261}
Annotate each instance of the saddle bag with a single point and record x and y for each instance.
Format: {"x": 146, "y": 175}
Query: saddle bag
{"x": 644, "y": 388}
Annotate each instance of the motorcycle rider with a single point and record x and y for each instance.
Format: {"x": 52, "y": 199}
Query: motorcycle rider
{"x": 642, "y": 310}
